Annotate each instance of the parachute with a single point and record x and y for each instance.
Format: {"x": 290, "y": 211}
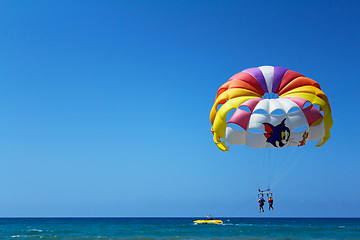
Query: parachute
{"x": 270, "y": 107}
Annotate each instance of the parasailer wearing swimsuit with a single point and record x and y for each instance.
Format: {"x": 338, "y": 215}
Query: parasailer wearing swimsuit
{"x": 261, "y": 204}
{"x": 271, "y": 201}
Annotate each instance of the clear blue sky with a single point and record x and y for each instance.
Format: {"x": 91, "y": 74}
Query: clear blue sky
{"x": 104, "y": 106}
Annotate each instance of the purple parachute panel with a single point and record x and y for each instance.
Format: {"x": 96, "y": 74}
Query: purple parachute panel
{"x": 278, "y": 75}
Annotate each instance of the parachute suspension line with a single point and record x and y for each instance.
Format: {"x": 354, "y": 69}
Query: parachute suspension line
{"x": 262, "y": 168}
{"x": 266, "y": 167}
{"x": 242, "y": 206}
{"x": 277, "y": 161}
{"x": 269, "y": 166}
{"x": 298, "y": 155}
{"x": 296, "y": 161}
{"x": 258, "y": 168}
{"x": 248, "y": 161}
{"x": 265, "y": 170}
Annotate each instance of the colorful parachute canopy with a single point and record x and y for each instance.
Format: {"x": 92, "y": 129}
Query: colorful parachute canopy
{"x": 270, "y": 107}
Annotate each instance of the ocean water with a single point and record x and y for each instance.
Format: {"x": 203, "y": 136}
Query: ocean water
{"x": 178, "y": 228}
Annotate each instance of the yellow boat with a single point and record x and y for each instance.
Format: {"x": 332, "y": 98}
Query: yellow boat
{"x": 210, "y": 220}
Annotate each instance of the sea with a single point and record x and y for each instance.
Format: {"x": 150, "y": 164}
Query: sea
{"x": 179, "y": 228}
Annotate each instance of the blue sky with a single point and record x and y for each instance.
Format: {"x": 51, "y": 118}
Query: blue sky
{"x": 105, "y": 106}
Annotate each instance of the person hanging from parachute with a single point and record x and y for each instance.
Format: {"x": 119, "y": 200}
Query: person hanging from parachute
{"x": 251, "y": 99}
{"x": 271, "y": 201}
{"x": 261, "y": 202}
